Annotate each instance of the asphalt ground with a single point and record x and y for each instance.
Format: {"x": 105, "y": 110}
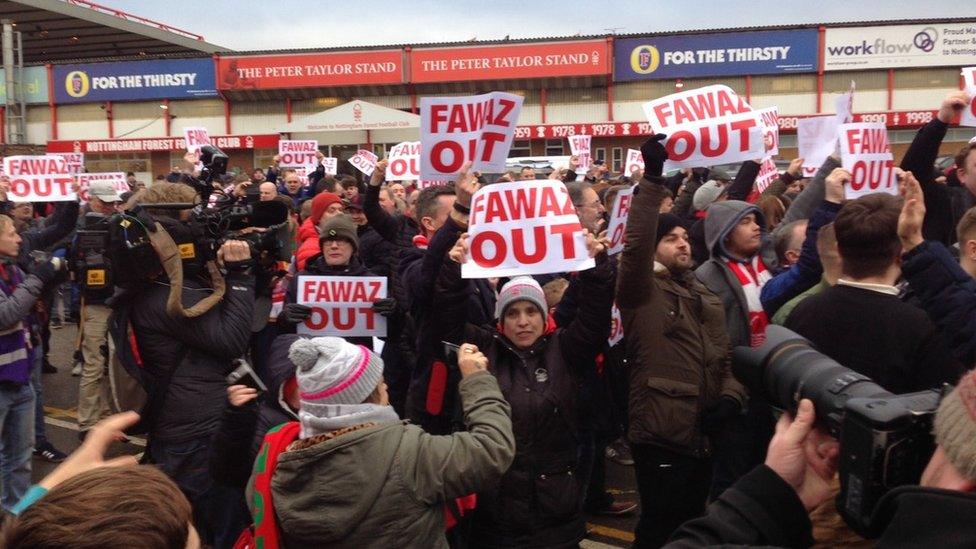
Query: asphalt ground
{"x": 61, "y": 416}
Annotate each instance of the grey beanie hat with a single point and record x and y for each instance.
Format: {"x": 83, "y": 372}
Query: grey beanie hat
{"x": 709, "y": 192}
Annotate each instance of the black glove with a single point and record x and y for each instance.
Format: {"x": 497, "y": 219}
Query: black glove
{"x": 294, "y": 313}
{"x": 654, "y": 155}
{"x": 715, "y": 418}
{"x": 44, "y": 270}
{"x": 385, "y": 306}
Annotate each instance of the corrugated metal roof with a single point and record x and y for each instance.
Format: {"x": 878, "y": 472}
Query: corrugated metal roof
{"x": 286, "y": 51}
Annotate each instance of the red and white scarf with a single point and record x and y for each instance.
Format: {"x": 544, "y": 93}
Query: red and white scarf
{"x": 753, "y": 276}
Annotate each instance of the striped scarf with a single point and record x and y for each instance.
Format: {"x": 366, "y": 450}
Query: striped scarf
{"x": 753, "y": 275}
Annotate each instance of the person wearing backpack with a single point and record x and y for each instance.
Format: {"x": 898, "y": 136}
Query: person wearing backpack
{"x": 19, "y": 293}
{"x": 350, "y": 473}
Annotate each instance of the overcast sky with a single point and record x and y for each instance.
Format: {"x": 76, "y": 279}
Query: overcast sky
{"x": 287, "y": 24}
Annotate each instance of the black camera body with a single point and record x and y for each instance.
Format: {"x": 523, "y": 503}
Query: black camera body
{"x": 885, "y": 439}
{"x": 198, "y": 238}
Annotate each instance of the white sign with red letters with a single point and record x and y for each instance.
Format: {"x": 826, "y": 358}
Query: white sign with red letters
{"x": 968, "y": 116}
{"x": 475, "y": 128}
{"x": 39, "y": 179}
{"x": 770, "y": 122}
{"x": 117, "y": 179}
{"x": 404, "y": 162}
{"x": 76, "y": 161}
{"x": 767, "y": 174}
{"x": 524, "y": 228}
{"x": 635, "y": 161}
{"x": 364, "y": 161}
{"x": 196, "y": 137}
{"x": 706, "y": 126}
{"x": 342, "y": 305}
{"x": 331, "y": 165}
{"x": 618, "y": 220}
{"x": 298, "y": 153}
{"x": 866, "y": 154}
{"x": 816, "y": 139}
{"x": 579, "y": 145}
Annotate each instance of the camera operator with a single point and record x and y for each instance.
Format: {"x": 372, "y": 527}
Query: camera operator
{"x": 194, "y": 356}
{"x": 769, "y": 505}
{"x": 93, "y": 404}
{"x": 18, "y": 295}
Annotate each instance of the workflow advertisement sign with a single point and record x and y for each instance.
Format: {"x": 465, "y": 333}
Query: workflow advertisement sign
{"x": 134, "y": 80}
{"x": 895, "y": 46}
{"x": 719, "y": 54}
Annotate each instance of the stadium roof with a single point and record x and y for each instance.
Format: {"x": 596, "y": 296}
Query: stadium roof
{"x": 56, "y": 31}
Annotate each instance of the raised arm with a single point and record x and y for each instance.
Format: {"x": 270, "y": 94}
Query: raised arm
{"x": 741, "y": 186}
{"x": 813, "y": 195}
{"x": 636, "y": 269}
{"x": 383, "y": 223}
{"x": 445, "y": 467}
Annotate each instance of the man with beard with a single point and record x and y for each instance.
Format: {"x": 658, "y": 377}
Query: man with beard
{"x": 681, "y": 384}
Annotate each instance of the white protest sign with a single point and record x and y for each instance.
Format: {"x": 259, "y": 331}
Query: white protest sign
{"x": 968, "y": 116}
{"x": 816, "y": 139}
{"x": 75, "y": 161}
{"x": 39, "y": 179}
{"x": 618, "y": 220}
{"x": 364, "y": 161}
{"x": 424, "y": 183}
{"x": 302, "y": 175}
{"x": 866, "y": 153}
{"x": 770, "y": 122}
{"x": 616, "y": 326}
{"x": 404, "y": 162}
{"x": 524, "y": 228}
{"x": 117, "y": 179}
{"x": 476, "y": 128}
{"x": 579, "y": 145}
{"x": 298, "y": 153}
{"x": 342, "y": 305}
{"x": 195, "y": 138}
{"x": 331, "y": 165}
{"x": 706, "y": 126}
{"x": 767, "y": 174}
{"x": 635, "y": 161}
{"x": 844, "y": 104}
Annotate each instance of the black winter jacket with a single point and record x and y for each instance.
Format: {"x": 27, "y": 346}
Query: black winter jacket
{"x": 206, "y": 344}
{"x": 761, "y": 509}
{"x": 537, "y": 502}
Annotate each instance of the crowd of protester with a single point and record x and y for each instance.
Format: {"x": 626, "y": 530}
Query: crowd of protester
{"x": 353, "y": 444}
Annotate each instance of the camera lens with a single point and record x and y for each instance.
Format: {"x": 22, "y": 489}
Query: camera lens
{"x": 787, "y": 368}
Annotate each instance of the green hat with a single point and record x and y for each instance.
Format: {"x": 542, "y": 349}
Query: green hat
{"x": 340, "y": 227}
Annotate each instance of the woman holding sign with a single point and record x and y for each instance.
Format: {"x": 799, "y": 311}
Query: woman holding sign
{"x": 339, "y": 257}
{"x": 537, "y": 502}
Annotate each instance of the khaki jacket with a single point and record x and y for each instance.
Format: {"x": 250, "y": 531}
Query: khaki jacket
{"x": 386, "y": 485}
{"x": 676, "y": 339}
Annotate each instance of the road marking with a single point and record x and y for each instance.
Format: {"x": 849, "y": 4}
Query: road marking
{"x": 590, "y": 544}
{"x": 73, "y": 424}
{"x": 608, "y": 532}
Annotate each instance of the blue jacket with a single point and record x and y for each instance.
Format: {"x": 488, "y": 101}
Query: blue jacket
{"x": 806, "y": 272}
{"x": 948, "y": 295}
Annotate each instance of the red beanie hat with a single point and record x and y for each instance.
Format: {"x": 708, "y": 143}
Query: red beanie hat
{"x": 320, "y": 203}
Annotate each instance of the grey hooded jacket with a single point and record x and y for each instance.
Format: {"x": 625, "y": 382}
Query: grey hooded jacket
{"x": 722, "y": 218}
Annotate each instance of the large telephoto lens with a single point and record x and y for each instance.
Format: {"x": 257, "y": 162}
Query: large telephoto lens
{"x": 786, "y": 369}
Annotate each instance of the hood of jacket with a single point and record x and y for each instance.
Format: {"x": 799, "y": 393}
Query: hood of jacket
{"x": 280, "y": 370}
{"x": 307, "y": 230}
{"x": 349, "y": 473}
{"x": 722, "y": 218}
